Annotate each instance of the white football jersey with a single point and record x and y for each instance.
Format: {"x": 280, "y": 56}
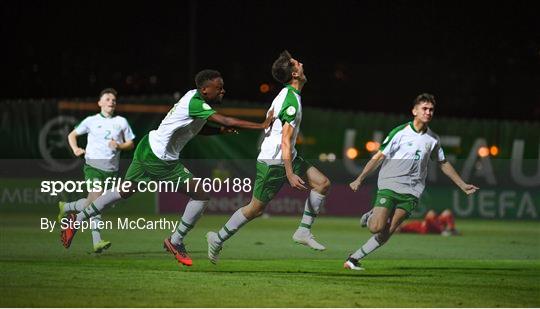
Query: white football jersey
{"x": 287, "y": 108}
{"x": 101, "y": 130}
{"x": 182, "y": 123}
{"x": 407, "y": 156}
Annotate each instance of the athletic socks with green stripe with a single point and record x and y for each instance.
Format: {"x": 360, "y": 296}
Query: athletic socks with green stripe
{"x": 313, "y": 205}
{"x": 99, "y": 205}
{"x": 194, "y": 210}
{"x": 236, "y": 221}
{"x": 367, "y": 248}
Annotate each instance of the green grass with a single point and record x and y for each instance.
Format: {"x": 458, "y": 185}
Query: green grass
{"x": 494, "y": 264}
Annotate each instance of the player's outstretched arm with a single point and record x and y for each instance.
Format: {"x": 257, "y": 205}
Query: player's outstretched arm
{"x": 286, "y": 154}
{"x": 449, "y": 171}
{"x": 372, "y": 165}
{"x": 242, "y": 124}
{"x": 211, "y": 130}
{"x": 72, "y": 140}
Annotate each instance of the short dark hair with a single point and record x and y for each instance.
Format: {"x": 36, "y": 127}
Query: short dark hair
{"x": 108, "y": 90}
{"x": 424, "y": 97}
{"x": 283, "y": 68}
{"x": 205, "y": 76}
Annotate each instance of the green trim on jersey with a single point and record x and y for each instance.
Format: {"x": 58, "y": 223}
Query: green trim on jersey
{"x": 416, "y": 131}
{"x": 392, "y": 134}
{"x": 198, "y": 108}
{"x": 101, "y": 114}
{"x": 412, "y": 127}
{"x": 290, "y": 87}
{"x": 289, "y": 108}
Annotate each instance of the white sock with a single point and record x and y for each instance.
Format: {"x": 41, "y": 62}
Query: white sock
{"x": 95, "y": 208}
{"x": 194, "y": 210}
{"x": 94, "y": 224}
{"x": 313, "y": 205}
{"x": 75, "y": 206}
{"x": 236, "y": 221}
{"x": 367, "y": 248}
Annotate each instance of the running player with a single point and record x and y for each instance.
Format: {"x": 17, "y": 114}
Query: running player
{"x": 278, "y": 162}
{"x": 404, "y": 154}
{"x": 157, "y": 158}
{"x": 108, "y": 135}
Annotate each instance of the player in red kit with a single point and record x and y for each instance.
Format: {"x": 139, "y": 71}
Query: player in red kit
{"x": 432, "y": 224}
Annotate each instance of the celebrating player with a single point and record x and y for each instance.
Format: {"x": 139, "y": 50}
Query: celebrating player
{"x": 278, "y": 162}
{"x": 157, "y": 157}
{"x": 404, "y": 155}
{"x": 108, "y": 135}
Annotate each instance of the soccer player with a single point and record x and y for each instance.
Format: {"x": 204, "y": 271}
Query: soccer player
{"x": 443, "y": 224}
{"x": 278, "y": 162}
{"x": 108, "y": 135}
{"x": 404, "y": 154}
{"x": 157, "y": 158}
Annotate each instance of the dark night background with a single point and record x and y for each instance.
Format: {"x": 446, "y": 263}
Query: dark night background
{"x": 480, "y": 59}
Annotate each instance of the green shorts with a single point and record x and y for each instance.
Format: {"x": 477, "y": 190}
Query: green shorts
{"x": 95, "y": 174}
{"x": 270, "y": 178}
{"x": 391, "y": 200}
{"x": 146, "y": 166}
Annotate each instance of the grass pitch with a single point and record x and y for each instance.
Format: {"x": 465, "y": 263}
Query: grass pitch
{"x": 494, "y": 264}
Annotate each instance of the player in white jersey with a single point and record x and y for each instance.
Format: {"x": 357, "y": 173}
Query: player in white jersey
{"x": 404, "y": 154}
{"x": 108, "y": 135}
{"x": 278, "y": 162}
{"x": 157, "y": 158}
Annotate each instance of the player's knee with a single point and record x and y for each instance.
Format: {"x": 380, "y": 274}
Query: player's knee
{"x": 252, "y": 211}
{"x": 375, "y": 226}
{"x": 323, "y": 186}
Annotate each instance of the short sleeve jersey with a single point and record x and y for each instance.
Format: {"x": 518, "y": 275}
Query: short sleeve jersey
{"x": 407, "y": 156}
{"x": 287, "y": 108}
{"x": 182, "y": 123}
{"x": 101, "y": 130}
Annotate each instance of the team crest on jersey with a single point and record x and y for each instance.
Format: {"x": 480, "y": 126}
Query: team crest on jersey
{"x": 206, "y": 107}
{"x": 428, "y": 147}
{"x": 291, "y": 110}
{"x": 186, "y": 171}
{"x": 382, "y": 200}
